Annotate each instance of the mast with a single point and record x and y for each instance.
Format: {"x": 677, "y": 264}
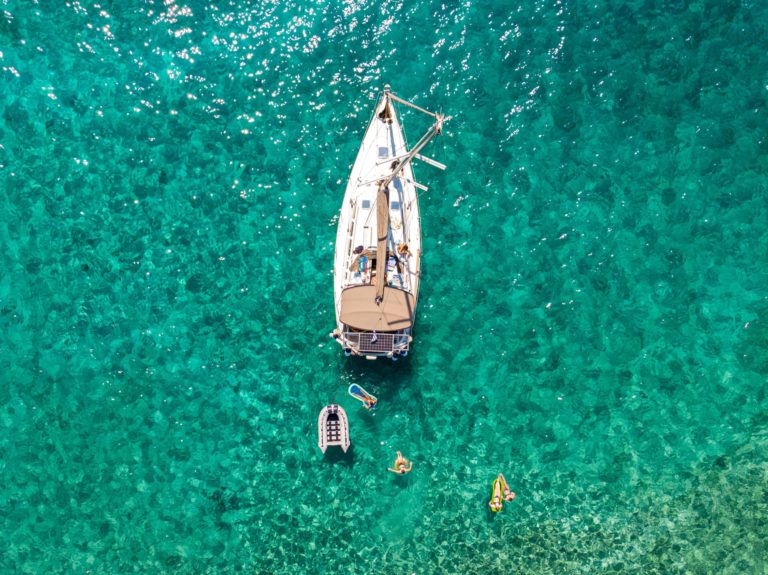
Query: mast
{"x": 382, "y": 195}
{"x": 382, "y": 233}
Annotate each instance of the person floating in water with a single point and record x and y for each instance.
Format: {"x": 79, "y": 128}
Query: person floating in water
{"x": 495, "y": 503}
{"x": 499, "y": 493}
{"x": 401, "y": 465}
{"x": 508, "y": 494}
{"x": 369, "y": 401}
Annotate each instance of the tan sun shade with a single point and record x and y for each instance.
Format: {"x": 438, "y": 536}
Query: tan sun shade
{"x": 359, "y": 309}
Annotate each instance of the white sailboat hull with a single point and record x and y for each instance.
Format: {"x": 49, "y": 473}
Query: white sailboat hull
{"x": 356, "y": 244}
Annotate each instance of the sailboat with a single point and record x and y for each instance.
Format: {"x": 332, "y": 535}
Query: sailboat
{"x": 378, "y": 241}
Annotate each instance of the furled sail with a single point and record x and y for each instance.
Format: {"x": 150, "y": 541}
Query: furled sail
{"x": 382, "y": 233}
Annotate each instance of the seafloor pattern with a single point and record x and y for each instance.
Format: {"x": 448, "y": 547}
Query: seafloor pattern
{"x": 593, "y": 318}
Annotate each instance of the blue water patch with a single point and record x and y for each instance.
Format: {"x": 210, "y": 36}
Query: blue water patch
{"x": 592, "y": 321}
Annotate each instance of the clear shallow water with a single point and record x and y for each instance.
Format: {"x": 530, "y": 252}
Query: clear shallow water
{"x": 592, "y": 319}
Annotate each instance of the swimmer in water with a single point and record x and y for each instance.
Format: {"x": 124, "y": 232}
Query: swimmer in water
{"x": 401, "y": 465}
{"x": 508, "y": 494}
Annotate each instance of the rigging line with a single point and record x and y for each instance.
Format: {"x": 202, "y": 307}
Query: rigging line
{"x": 414, "y": 106}
{"x": 396, "y": 174}
{"x": 402, "y": 127}
{"x": 434, "y": 130}
{"x": 387, "y": 127}
{"x": 370, "y": 121}
{"x": 365, "y": 177}
{"x": 431, "y": 133}
{"x": 441, "y": 148}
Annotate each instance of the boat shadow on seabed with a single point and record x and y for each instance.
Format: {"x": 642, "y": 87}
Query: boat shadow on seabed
{"x": 335, "y": 456}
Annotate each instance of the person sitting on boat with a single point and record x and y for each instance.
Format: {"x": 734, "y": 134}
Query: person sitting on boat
{"x": 401, "y": 465}
{"x": 509, "y": 495}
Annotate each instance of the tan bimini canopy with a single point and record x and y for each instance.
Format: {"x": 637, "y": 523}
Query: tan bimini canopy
{"x": 360, "y": 311}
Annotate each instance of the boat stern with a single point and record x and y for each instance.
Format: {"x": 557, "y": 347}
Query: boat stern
{"x": 373, "y": 345}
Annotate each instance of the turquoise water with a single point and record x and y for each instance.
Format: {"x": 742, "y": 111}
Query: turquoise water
{"x": 593, "y": 319}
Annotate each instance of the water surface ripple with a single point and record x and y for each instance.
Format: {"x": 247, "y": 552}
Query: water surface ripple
{"x": 593, "y": 318}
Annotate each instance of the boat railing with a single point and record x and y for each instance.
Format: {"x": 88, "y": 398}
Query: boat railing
{"x": 378, "y": 343}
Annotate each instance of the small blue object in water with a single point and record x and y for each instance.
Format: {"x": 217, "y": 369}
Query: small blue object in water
{"x": 369, "y": 401}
